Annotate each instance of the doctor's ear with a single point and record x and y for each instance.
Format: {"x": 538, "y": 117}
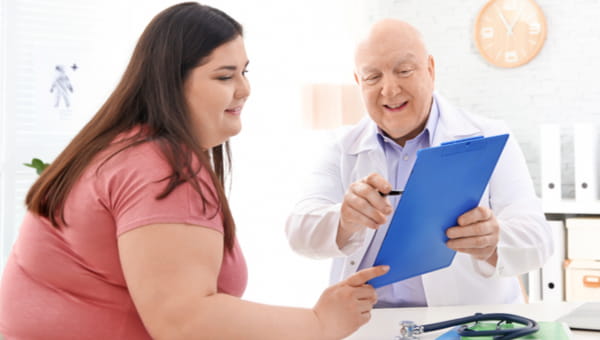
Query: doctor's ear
{"x": 356, "y": 78}
{"x": 430, "y": 67}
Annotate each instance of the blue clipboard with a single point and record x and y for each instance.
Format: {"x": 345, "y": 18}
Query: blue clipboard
{"x": 446, "y": 181}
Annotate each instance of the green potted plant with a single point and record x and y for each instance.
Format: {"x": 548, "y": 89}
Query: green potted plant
{"x": 37, "y": 164}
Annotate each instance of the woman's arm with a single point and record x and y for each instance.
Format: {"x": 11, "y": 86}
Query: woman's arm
{"x": 171, "y": 272}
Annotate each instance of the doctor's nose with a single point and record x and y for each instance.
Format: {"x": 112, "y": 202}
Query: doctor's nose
{"x": 390, "y": 87}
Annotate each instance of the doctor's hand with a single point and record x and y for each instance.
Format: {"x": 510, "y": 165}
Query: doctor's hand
{"x": 363, "y": 207}
{"x": 477, "y": 234}
{"x": 345, "y": 306}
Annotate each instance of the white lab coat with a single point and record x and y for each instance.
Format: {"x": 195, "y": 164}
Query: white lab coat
{"x": 525, "y": 236}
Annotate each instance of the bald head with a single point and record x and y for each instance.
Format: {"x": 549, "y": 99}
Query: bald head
{"x": 389, "y": 34}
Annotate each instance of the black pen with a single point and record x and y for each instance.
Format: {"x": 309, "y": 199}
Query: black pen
{"x": 392, "y": 193}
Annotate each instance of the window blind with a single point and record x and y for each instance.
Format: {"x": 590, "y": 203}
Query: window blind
{"x": 60, "y": 59}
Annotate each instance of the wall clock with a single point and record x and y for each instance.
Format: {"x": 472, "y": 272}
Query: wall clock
{"x": 509, "y": 33}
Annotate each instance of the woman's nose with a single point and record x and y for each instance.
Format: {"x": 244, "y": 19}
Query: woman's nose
{"x": 243, "y": 88}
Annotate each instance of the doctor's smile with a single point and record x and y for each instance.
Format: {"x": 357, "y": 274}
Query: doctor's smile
{"x": 395, "y": 107}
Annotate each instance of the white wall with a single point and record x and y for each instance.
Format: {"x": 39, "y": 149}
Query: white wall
{"x": 559, "y": 86}
{"x": 2, "y": 119}
{"x": 39, "y": 35}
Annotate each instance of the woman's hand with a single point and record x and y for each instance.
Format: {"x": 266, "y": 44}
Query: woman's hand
{"x": 345, "y": 306}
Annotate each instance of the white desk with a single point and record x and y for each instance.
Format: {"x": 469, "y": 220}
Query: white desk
{"x": 384, "y": 324}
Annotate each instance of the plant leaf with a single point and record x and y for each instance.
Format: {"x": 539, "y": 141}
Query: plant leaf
{"x": 37, "y": 164}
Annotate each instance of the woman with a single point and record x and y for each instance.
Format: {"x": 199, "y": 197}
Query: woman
{"x": 129, "y": 233}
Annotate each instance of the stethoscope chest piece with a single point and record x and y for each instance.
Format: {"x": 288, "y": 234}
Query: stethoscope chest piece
{"x": 408, "y": 330}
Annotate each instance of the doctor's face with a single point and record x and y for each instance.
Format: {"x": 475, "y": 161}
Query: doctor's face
{"x": 396, "y": 78}
{"x": 215, "y": 93}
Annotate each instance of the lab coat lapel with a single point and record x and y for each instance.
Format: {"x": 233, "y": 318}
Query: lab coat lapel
{"x": 453, "y": 124}
{"x": 369, "y": 159}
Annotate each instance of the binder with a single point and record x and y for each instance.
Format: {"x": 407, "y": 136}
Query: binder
{"x": 552, "y": 270}
{"x": 585, "y": 162}
{"x": 550, "y": 162}
{"x": 534, "y": 285}
{"x": 446, "y": 181}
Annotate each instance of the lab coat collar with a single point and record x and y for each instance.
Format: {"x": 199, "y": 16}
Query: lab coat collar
{"x": 363, "y": 138}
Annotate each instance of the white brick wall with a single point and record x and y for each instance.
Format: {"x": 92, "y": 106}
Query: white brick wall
{"x": 560, "y": 85}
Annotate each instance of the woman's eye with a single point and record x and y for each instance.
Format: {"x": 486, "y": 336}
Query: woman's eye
{"x": 224, "y": 78}
{"x": 244, "y": 72}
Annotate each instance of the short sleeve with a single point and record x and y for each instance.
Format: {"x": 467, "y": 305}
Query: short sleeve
{"x": 128, "y": 185}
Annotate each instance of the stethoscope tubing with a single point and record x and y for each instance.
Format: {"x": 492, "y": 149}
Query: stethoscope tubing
{"x": 530, "y": 326}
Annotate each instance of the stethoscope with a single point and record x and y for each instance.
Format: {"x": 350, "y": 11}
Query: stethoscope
{"x": 409, "y": 329}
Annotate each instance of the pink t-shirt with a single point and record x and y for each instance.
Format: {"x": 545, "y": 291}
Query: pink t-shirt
{"x": 68, "y": 283}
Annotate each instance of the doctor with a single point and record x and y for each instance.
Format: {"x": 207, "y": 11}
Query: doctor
{"x": 341, "y": 214}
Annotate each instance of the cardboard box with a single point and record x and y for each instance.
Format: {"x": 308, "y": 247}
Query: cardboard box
{"x": 582, "y": 280}
{"x": 583, "y": 238}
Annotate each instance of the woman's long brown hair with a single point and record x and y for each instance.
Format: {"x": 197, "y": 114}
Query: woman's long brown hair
{"x": 150, "y": 94}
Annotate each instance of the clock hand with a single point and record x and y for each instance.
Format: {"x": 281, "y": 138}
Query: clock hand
{"x": 503, "y": 19}
{"x": 516, "y": 18}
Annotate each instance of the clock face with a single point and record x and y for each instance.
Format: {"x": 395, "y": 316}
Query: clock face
{"x": 509, "y": 33}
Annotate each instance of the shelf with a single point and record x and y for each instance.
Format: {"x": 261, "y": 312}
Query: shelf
{"x": 571, "y": 207}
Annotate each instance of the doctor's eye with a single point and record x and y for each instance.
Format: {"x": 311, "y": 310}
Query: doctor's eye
{"x": 405, "y": 73}
{"x": 372, "y": 78}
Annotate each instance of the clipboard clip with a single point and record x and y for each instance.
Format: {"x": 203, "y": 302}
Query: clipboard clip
{"x": 462, "y": 140}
